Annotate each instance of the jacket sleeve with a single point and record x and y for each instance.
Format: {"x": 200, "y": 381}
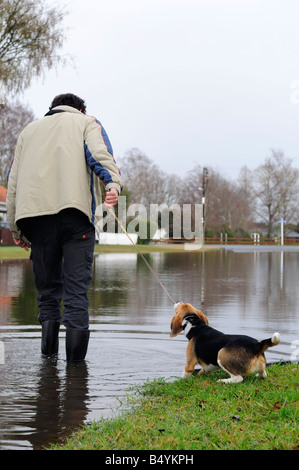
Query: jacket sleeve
{"x": 99, "y": 156}
{"x": 12, "y": 178}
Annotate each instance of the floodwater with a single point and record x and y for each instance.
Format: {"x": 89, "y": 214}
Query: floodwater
{"x": 252, "y": 292}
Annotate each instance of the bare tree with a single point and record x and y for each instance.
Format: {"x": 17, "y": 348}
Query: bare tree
{"x": 146, "y": 182}
{"x": 271, "y": 191}
{"x": 276, "y": 190}
{"x": 13, "y": 118}
{"x": 31, "y": 33}
{"x": 226, "y": 207}
{"x": 246, "y": 197}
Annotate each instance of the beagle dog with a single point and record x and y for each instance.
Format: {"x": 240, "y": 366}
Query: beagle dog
{"x": 238, "y": 355}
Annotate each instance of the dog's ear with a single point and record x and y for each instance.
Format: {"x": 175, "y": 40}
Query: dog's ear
{"x": 188, "y": 308}
{"x": 202, "y": 316}
{"x": 176, "y": 326}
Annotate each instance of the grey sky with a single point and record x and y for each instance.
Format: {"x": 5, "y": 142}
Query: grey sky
{"x": 186, "y": 81}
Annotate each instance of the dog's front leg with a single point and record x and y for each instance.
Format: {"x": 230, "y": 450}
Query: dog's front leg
{"x": 191, "y": 361}
{"x": 186, "y": 374}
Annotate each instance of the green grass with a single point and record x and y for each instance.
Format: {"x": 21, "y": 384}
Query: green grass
{"x": 201, "y": 413}
{"x": 142, "y": 248}
{"x": 14, "y": 252}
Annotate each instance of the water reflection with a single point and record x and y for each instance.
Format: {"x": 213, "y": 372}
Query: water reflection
{"x": 40, "y": 401}
{"x": 17, "y": 293}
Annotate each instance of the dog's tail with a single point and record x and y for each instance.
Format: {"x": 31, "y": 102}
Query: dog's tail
{"x": 268, "y": 343}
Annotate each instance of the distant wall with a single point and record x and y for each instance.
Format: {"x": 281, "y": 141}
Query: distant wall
{"x": 107, "y": 238}
{"x": 6, "y": 237}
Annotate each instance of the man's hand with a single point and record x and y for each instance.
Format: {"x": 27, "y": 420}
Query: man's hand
{"x": 111, "y": 198}
{"x": 21, "y": 243}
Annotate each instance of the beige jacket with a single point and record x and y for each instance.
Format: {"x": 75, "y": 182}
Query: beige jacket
{"x": 59, "y": 162}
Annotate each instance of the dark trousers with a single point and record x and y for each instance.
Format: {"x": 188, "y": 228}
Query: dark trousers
{"x": 62, "y": 247}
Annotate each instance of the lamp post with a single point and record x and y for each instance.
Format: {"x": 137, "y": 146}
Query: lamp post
{"x": 205, "y": 181}
{"x": 282, "y": 222}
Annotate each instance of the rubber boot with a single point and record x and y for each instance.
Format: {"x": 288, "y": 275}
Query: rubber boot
{"x": 50, "y": 330}
{"x": 76, "y": 344}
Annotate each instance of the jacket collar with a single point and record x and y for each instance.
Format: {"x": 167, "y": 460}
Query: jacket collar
{"x": 61, "y": 109}
{"x": 54, "y": 111}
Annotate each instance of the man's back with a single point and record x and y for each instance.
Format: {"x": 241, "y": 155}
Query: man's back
{"x": 57, "y": 159}
{"x": 53, "y": 173}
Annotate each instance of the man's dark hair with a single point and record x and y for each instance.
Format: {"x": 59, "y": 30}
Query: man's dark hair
{"x": 68, "y": 99}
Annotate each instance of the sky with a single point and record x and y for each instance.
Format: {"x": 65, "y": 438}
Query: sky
{"x": 208, "y": 82}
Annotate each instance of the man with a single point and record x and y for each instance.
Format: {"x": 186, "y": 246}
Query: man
{"x": 53, "y": 192}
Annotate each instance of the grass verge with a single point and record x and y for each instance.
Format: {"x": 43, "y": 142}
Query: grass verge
{"x": 201, "y": 413}
{"x": 142, "y": 248}
{"x": 14, "y": 252}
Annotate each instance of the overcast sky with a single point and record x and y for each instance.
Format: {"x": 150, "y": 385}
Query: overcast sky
{"x": 209, "y": 82}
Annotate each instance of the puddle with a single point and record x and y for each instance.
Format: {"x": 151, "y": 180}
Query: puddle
{"x": 41, "y": 401}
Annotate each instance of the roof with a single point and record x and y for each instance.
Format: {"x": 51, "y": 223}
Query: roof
{"x": 3, "y": 192}
{"x": 292, "y": 234}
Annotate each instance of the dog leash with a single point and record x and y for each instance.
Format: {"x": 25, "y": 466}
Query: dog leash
{"x": 139, "y": 252}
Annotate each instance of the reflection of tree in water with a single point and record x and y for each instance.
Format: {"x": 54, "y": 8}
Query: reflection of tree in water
{"x": 123, "y": 285}
{"x": 259, "y": 285}
{"x": 20, "y": 287}
{"x": 110, "y": 283}
{"x": 279, "y": 290}
{"x": 256, "y": 284}
{"x": 25, "y": 309}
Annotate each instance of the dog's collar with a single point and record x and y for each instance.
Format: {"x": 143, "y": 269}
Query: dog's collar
{"x": 186, "y": 319}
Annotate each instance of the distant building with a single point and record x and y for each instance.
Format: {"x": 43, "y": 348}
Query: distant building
{"x": 292, "y": 237}
{"x": 3, "y": 211}
{"x": 5, "y": 233}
